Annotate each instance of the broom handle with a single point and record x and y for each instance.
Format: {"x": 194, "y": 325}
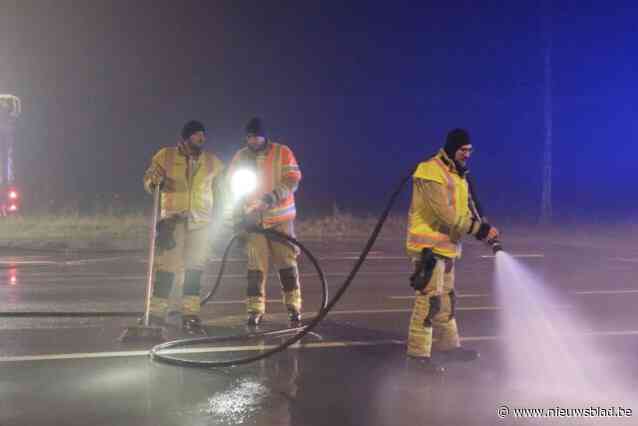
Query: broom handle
{"x": 151, "y": 254}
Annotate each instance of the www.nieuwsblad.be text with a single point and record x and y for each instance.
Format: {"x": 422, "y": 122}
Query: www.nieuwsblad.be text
{"x": 606, "y": 412}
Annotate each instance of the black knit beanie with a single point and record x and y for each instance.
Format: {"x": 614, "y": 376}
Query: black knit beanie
{"x": 191, "y": 128}
{"x": 255, "y": 127}
{"x": 456, "y": 139}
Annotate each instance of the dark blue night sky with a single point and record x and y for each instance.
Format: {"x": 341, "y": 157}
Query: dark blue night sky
{"x": 360, "y": 92}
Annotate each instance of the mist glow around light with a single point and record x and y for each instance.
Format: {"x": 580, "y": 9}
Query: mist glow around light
{"x": 243, "y": 182}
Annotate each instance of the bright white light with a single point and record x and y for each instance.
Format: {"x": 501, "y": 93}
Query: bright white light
{"x": 243, "y": 182}
{"x": 13, "y": 208}
{"x": 13, "y": 195}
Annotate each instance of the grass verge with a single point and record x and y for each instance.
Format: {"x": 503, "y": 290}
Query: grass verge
{"x": 105, "y": 231}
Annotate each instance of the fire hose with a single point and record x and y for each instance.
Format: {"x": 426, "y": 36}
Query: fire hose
{"x": 157, "y": 354}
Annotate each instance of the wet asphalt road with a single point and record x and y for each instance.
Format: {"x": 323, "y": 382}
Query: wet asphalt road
{"x": 73, "y": 371}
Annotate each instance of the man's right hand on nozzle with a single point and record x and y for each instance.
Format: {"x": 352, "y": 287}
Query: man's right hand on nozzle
{"x": 493, "y": 234}
{"x": 487, "y": 232}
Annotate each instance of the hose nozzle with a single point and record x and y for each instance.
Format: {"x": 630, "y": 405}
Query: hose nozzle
{"x": 496, "y": 245}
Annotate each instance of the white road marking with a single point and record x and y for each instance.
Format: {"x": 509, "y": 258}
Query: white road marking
{"x": 47, "y": 277}
{"x": 245, "y": 348}
{"x": 316, "y": 345}
{"x": 96, "y": 260}
{"x": 314, "y": 274}
{"x": 393, "y": 311}
{"x": 372, "y": 256}
{"x": 460, "y": 296}
{"x": 236, "y": 302}
{"x": 60, "y": 262}
{"x": 612, "y": 333}
{"x": 351, "y": 253}
{"x": 28, "y": 262}
{"x": 586, "y": 292}
{"x": 530, "y": 256}
{"x": 576, "y": 292}
{"x": 625, "y": 259}
{"x": 213, "y": 349}
{"x": 405, "y": 258}
{"x": 218, "y": 260}
{"x": 620, "y": 333}
{"x": 348, "y": 257}
{"x": 345, "y": 274}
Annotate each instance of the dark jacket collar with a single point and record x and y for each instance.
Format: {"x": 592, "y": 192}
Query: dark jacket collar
{"x": 452, "y": 165}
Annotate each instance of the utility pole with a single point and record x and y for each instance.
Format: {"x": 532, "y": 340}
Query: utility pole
{"x": 546, "y": 199}
{"x": 10, "y": 110}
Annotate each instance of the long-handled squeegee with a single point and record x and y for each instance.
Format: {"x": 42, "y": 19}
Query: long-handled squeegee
{"x": 144, "y": 331}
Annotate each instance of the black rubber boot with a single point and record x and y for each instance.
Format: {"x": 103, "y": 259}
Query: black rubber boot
{"x": 457, "y": 355}
{"x": 294, "y": 317}
{"x": 424, "y": 365}
{"x": 254, "y": 319}
{"x": 191, "y": 324}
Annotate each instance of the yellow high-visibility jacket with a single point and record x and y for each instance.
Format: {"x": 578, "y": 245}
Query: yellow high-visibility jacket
{"x": 190, "y": 182}
{"x": 439, "y": 212}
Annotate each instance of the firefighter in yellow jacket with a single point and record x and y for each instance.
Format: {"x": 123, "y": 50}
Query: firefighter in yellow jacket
{"x": 272, "y": 204}
{"x": 187, "y": 176}
{"x": 440, "y": 214}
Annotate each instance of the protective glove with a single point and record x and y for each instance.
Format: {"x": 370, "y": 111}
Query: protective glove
{"x": 165, "y": 239}
{"x": 269, "y": 199}
{"x": 487, "y": 232}
{"x": 423, "y": 270}
{"x": 157, "y": 178}
{"x": 490, "y": 235}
